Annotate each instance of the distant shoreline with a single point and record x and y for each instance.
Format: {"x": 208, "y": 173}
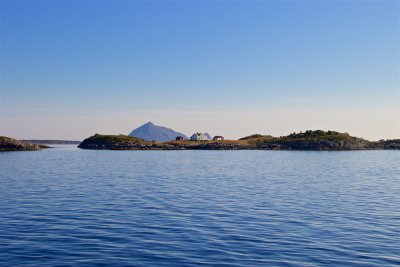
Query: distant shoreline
{"x": 51, "y": 142}
{"x": 310, "y": 140}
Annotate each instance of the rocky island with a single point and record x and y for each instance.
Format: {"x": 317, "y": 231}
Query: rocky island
{"x": 11, "y": 144}
{"x": 309, "y": 140}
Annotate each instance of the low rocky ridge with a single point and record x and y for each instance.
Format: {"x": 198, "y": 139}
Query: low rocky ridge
{"x": 11, "y": 144}
{"x": 313, "y": 140}
{"x": 117, "y": 142}
{"x": 393, "y": 144}
{"x": 309, "y": 140}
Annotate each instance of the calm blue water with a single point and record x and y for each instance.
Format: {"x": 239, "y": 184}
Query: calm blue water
{"x": 67, "y": 206}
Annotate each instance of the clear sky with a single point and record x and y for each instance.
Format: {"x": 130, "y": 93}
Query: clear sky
{"x": 70, "y": 69}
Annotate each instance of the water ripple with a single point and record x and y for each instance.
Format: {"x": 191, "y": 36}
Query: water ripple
{"x": 64, "y": 207}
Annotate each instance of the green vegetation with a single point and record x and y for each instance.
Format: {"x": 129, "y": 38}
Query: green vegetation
{"x": 317, "y": 135}
{"x": 99, "y": 141}
{"x": 115, "y": 138}
{"x": 308, "y": 140}
{"x": 251, "y": 136}
{"x": 257, "y": 139}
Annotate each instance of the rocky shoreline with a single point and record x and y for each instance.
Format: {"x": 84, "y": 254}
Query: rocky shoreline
{"x": 11, "y": 144}
{"x": 310, "y": 140}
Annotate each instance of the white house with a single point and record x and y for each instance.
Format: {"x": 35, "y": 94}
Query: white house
{"x": 199, "y": 137}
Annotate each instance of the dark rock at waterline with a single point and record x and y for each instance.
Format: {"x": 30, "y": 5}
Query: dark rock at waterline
{"x": 309, "y": 140}
{"x": 11, "y": 144}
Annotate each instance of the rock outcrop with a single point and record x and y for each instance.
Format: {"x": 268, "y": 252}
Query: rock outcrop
{"x": 309, "y": 140}
{"x": 116, "y": 142}
{"x": 11, "y": 144}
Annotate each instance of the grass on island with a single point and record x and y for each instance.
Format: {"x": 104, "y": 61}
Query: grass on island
{"x": 110, "y": 139}
{"x": 317, "y": 135}
{"x": 309, "y": 135}
{"x": 249, "y": 142}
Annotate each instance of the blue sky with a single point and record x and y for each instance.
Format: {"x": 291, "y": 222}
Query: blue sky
{"x": 73, "y": 68}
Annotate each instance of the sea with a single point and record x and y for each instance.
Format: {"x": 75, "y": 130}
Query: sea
{"x": 70, "y": 207}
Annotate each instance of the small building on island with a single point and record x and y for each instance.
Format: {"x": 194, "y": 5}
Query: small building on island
{"x": 218, "y": 138}
{"x": 199, "y": 137}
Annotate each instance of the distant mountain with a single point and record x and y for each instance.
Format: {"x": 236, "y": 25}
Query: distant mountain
{"x": 150, "y": 132}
